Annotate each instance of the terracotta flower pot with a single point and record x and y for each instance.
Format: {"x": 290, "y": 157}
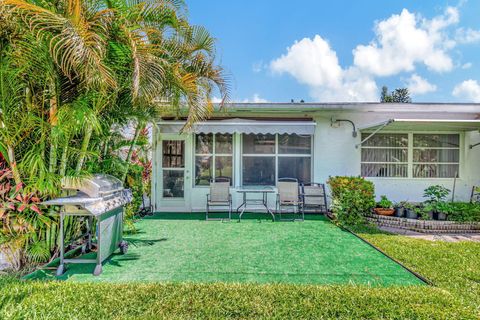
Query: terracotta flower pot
{"x": 384, "y": 212}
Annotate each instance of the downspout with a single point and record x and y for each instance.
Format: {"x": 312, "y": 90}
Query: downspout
{"x": 354, "y": 132}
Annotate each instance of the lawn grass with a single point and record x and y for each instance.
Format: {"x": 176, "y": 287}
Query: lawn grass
{"x": 185, "y": 248}
{"x": 73, "y": 300}
{"x": 452, "y": 267}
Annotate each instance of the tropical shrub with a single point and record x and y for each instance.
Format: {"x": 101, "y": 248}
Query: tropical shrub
{"x": 352, "y": 199}
{"x": 73, "y": 74}
{"x": 24, "y": 229}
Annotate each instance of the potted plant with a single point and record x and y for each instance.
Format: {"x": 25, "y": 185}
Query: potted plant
{"x": 436, "y": 196}
{"x": 429, "y": 211}
{"x": 411, "y": 210}
{"x": 400, "y": 209}
{"x": 384, "y": 207}
{"x": 444, "y": 209}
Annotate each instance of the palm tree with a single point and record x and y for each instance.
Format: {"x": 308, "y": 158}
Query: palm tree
{"x": 172, "y": 61}
{"x": 73, "y": 32}
{"x": 74, "y": 71}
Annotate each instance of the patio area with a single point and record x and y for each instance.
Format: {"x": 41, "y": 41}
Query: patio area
{"x": 185, "y": 248}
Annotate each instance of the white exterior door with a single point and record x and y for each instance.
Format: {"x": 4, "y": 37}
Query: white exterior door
{"x": 173, "y": 177}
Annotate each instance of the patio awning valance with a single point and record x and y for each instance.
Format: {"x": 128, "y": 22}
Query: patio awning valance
{"x": 243, "y": 126}
{"x": 425, "y": 125}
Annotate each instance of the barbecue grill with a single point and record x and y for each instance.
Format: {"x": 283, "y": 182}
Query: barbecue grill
{"x": 101, "y": 198}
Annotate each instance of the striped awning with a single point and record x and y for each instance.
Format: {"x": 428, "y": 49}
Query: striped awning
{"x": 247, "y": 126}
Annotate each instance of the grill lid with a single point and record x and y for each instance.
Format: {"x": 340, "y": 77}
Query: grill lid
{"x": 99, "y": 185}
{"x": 97, "y": 195}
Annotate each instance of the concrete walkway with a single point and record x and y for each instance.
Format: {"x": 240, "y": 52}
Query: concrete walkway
{"x": 454, "y": 237}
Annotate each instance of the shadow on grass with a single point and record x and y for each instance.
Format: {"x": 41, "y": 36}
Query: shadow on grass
{"x": 143, "y": 242}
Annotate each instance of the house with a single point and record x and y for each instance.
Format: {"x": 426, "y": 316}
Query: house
{"x": 402, "y": 148}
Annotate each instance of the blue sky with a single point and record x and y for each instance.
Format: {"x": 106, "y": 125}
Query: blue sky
{"x": 341, "y": 50}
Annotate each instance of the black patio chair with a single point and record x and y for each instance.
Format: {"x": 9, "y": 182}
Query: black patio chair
{"x": 314, "y": 197}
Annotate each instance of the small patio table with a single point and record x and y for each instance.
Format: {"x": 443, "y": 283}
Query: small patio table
{"x": 255, "y": 201}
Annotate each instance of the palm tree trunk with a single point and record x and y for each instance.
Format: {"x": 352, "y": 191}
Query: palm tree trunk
{"x": 140, "y": 126}
{"x": 83, "y": 151}
{"x": 53, "y": 122}
{"x": 64, "y": 158}
{"x": 53, "y": 156}
{"x": 13, "y": 165}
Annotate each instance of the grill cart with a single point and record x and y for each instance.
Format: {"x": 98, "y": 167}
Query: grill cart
{"x": 100, "y": 198}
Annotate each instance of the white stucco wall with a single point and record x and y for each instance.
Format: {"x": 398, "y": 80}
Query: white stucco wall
{"x": 335, "y": 154}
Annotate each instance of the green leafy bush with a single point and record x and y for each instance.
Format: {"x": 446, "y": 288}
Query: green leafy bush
{"x": 464, "y": 212}
{"x": 352, "y": 199}
{"x": 436, "y": 201}
{"x": 436, "y": 193}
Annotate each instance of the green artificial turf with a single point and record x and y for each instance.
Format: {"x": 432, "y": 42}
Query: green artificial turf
{"x": 185, "y": 248}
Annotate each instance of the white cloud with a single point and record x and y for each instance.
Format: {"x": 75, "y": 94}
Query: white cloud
{"x": 467, "y": 35}
{"x": 401, "y": 43}
{"x": 467, "y": 65}
{"x": 255, "y": 99}
{"x": 216, "y": 99}
{"x": 314, "y": 63}
{"x": 418, "y": 85}
{"x": 310, "y": 61}
{"x": 468, "y": 90}
{"x": 406, "y": 39}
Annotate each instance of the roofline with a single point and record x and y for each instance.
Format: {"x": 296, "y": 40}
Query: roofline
{"x": 351, "y": 106}
{"x": 348, "y": 103}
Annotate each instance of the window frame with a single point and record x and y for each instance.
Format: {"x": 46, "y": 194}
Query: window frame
{"x": 213, "y": 155}
{"x": 410, "y": 162}
{"x": 276, "y": 156}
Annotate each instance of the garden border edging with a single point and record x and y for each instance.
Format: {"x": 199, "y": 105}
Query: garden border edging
{"x": 424, "y": 226}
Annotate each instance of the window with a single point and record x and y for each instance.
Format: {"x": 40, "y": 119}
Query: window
{"x": 213, "y": 157}
{"x": 173, "y": 168}
{"x": 411, "y": 155}
{"x": 385, "y": 155}
{"x": 436, "y": 155}
{"x": 268, "y": 157}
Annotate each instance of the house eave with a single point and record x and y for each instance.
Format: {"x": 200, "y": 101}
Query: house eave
{"x": 308, "y": 109}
